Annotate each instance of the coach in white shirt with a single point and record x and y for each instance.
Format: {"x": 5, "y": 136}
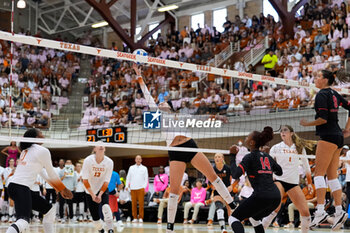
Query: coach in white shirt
{"x": 136, "y": 182}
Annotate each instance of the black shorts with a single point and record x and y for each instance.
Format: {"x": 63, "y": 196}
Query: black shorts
{"x": 96, "y": 208}
{"x": 258, "y": 206}
{"x": 183, "y": 156}
{"x": 26, "y": 201}
{"x": 335, "y": 139}
{"x": 78, "y": 197}
{"x": 286, "y": 186}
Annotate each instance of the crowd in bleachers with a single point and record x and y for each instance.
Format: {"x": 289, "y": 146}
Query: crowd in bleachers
{"x": 41, "y": 82}
{"x": 321, "y": 41}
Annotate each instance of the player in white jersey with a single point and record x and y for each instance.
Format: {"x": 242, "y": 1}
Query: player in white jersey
{"x": 79, "y": 194}
{"x": 288, "y": 183}
{"x": 8, "y": 204}
{"x": 97, "y": 172}
{"x": 34, "y": 158}
{"x": 178, "y": 160}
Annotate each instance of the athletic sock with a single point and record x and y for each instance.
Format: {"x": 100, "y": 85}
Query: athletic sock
{"x": 338, "y": 209}
{"x": 305, "y": 223}
{"x": 320, "y": 208}
{"x": 268, "y": 220}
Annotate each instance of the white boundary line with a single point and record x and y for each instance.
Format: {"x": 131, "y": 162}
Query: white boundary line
{"x": 154, "y": 61}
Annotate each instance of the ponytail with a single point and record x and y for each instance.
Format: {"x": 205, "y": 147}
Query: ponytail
{"x": 341, "y": 75}
{"x": 301, "y": 143}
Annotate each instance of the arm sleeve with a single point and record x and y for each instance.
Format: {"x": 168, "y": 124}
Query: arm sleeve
{"x": 109, "y": 172}
{"x": 321, "y": 106}
{"x": 149, "y": 99}
{"x": 53, "y": 178}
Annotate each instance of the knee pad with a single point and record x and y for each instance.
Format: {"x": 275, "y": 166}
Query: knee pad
{"x": 334, "y": 185}
{"x": 107, "y": 213}
{"x": 20, "y": 225}
{"x": 98, "y": 225}
{"x": 50, "y": 216}
{"x": 320, "y": 183}
{"x": 254, "y": 222}
{"x": 221, "y": 214}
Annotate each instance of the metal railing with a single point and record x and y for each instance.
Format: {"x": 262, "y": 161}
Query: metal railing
{"x": 255, "y": 54}
{"x": 226, "y": 53}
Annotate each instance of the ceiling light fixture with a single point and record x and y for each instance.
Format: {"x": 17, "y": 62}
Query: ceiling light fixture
{"x": 100, "y": 24}
{"x": 168, "y": 8}
{"x": 21, "y": 4}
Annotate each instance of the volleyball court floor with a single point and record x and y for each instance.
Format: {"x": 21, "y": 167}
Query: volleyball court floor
{"x": 154, "y": 228}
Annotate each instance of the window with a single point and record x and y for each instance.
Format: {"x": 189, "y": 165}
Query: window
{"x": 197, "y": 19}
{"x": 219, "y": 17}
{"x": 138, "y": 30}
{"x": 151, "y": 27}
{"x": 269, "y": 10}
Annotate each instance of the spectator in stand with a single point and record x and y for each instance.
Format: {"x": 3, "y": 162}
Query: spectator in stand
{"x": 136, "y": 182}
{"x": 320, "y": 39}
{"x": 290, "y": 73}
{"x": 198, "y": 195}
{"x": 124, "y": 202}
{"x": 69, "y": 179}
{"x": 269, "y": 61}
{"x": 160, "y": 181}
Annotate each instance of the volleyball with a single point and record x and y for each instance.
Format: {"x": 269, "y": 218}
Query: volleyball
{"x": 141, "y": 52}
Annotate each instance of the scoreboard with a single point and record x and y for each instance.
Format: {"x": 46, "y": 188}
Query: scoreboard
{"x": 111, "y": 134}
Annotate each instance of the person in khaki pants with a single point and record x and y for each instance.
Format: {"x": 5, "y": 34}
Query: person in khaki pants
{"x": 136, "y": 182}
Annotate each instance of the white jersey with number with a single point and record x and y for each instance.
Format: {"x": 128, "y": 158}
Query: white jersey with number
{"x": 97, "y": 173}
{"x": 31, "y": 164}
{"x": 290, "y": 164}
{"x": 80, "y": 186}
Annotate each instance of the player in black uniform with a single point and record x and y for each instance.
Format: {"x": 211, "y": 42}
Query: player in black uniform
{"x": 329, "y": 146}
{"x": 224, "y": 172}
{"x": 259, "y": 167}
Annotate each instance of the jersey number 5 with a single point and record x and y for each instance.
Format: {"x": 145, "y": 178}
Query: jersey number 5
{"x": 265, "y": 163}
{"x": 97, "y": 174}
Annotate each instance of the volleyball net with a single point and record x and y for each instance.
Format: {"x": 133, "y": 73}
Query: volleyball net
{"x": 85, "y": 96}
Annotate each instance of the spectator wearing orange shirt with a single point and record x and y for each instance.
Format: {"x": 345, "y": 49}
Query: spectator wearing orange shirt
{"x": 28, "y": 105}
{"x": 26, "y": 90}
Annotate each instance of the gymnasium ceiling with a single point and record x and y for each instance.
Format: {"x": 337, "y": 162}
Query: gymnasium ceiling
{"x": 77, "y": 16}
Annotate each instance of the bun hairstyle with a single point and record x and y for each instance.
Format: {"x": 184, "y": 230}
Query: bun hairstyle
{"x": 30, "y": 133}
{"x": 340, "y": 74}
{"x": 262, "y": 138}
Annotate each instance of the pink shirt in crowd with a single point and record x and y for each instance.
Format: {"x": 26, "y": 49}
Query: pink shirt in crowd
{"x": 160, "y": 182}
{"x": 198, "y": 196}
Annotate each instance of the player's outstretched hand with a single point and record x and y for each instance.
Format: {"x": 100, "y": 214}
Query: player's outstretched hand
{"x": 234, "y": 149}
{"x": 137, "y": 70}
{"x": 66, "y": 194}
